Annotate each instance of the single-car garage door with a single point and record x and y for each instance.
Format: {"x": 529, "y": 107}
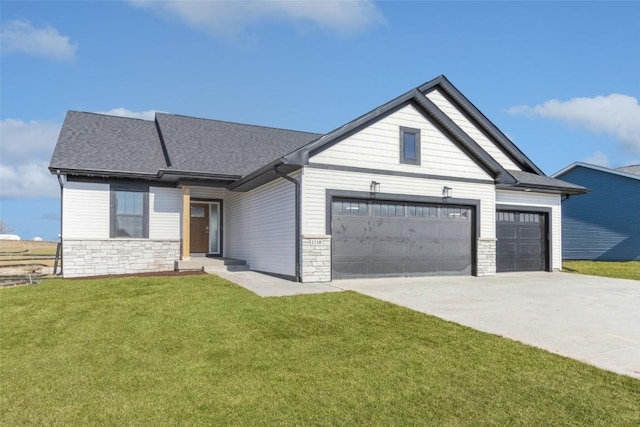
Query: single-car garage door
{"x": 522, "y": 241}
{"x": 372, "y": 238}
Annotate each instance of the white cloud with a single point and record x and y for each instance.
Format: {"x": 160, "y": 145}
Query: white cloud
{"x": 32, "y": 140}
{"x": 616, "y": 115}
{"x": 123, "y": 112}
{"x": 28, "y": 180}
{"x": 230, "y": 18}
{"x": 24, "y": 157}
{"x": 25, "y": 152}
{"x": 599, "y": 159}
{"x": 21, "y": 36}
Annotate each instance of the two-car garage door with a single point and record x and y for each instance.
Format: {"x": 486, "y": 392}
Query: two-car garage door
{"x": 372, "y": 238}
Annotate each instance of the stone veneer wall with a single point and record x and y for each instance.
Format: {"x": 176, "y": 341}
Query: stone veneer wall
{"x": 118, "y": 256}
{"x": 316, "y": 258}
{"x": 486, "y": 257}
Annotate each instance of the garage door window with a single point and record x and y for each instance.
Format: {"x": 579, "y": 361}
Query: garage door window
{"x": 387, "y": 209}
{"x": 350, "y": 207}
{"x": 461, "y": 214}
{"x": 423, "y": 211}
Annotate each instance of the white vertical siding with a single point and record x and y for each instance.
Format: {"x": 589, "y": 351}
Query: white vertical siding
{"x": 470, "y": 129}
{"x": 524, "y": 199}
{"x": 165, "y": 212}
{"x": 260, "y": 227}
{"x": 317, "y": 181}
{"x": 85, "y": 212}
{"x": 378, "y": 147}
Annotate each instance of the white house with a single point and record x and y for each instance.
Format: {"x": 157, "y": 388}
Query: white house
{"x": 422, "y": 185}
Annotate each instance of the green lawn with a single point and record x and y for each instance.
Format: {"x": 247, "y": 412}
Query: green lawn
{"x": 621, "y": 269}
{"x": 198, "y": 350}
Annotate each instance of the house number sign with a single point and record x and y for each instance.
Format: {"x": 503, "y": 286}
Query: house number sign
{"x": 315, "y": 242}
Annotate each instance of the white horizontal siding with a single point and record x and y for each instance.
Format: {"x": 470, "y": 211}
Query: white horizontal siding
{"x": 85, "y": 212}
{"x": 165, "y": 211}
{"x": 207, "y": 193}
{"x": 317, "y": 181}
{"x": 260, "y": 227}
{"x": 524, "y": 199}
{"x": 470, "y": 129}
{"x": 378, "y": 147}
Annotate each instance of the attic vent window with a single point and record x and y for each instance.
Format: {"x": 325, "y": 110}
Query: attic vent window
{"x": 410, "y": 146}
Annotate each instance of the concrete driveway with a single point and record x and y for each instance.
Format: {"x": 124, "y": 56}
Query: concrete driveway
{"x": 592, "y": 319}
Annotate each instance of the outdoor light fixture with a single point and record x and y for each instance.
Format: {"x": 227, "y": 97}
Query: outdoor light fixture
{"x": 447, "y": 192}
{"x": 374, "y": 187}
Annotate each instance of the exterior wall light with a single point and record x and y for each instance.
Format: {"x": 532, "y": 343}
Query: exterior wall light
{"x": 374, "y": 187}
{"x": 447, "y": 192}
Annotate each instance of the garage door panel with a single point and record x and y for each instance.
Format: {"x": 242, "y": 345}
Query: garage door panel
{"x": 386, "y": 269}
{"x": 387, "y": 249}
{"x": 347, "y": 269}
{"x": 416, "y": 229}
{"x": 351, "y": 226}
{"x": 521, "y": 244}
{"x": 421, "y": 250}
{"x": 399, "y": 239}
{"x": 506, "y": 231}
{"x": 454, "y": 230}
{"x": 349, "y": 249}
{"x": 414, "y": 268}
{"x": 530, "y": 249}
{"x": 455, "y": 267}
{"x": 387, "y": 227}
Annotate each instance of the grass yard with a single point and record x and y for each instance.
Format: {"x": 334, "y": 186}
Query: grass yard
{"x": 621, "y": 269}
{"x": 199, "y": 350}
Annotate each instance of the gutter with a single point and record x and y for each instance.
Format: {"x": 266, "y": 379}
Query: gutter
{"x": 61, "y": 213}
{"x": 296, "y": 183}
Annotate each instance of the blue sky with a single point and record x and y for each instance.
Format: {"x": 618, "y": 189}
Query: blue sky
{"x": 561, "y": 79}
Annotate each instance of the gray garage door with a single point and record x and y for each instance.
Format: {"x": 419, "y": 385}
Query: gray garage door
{"x": 382, "y": 239}
{"x": 522, "y": 242}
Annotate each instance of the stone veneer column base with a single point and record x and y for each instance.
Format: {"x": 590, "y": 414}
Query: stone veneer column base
{"x": 118, "y": 256}
{"x": 316, "y": 258}
{"x": 486, "y": 257}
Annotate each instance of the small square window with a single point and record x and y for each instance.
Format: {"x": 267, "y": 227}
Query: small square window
{"x": 410, "y": 146}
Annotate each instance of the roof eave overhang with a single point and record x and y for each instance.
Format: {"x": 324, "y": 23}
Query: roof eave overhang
{"x": 264, "y": 175}
{"x": 102, "y": 173}
{"x": 543, "y": 189}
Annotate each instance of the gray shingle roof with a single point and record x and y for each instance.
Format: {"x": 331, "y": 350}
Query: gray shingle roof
{"x": 96, "y": 142}
{"x": 213, "y": 146}
{"x": 632, "y": 169}
{"x": 531, "y": 180}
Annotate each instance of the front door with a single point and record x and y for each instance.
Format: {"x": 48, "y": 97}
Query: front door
{"x": 199, "y": 228}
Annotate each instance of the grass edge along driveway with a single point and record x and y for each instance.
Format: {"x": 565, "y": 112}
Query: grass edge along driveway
{"x": 200, "y": 350}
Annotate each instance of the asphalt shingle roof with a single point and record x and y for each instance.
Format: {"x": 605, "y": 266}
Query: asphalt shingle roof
{"x": 632, "y": 169}
{"x": 533, "y": 180}
{"x": 213, "y": 146}
{"x": 98, "y": 142}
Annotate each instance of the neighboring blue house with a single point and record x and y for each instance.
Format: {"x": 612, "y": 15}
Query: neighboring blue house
{"x": 604, "y": 224}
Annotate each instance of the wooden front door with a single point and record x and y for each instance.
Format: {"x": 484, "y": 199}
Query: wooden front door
{"x": 199, "y": 228}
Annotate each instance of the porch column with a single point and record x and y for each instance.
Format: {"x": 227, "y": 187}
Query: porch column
{"x": 186, "y": 222}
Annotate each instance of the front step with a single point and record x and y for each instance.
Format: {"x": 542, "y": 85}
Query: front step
{"x": 211, "y": 265}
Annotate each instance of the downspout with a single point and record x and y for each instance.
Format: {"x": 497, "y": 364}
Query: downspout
{"x": 297, "y": 208}
{"x": 61, "y": 211}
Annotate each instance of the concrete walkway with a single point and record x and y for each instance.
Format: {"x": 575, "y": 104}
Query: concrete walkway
{"x": 592, "y": 319}
{"x": 269, "y": 286}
